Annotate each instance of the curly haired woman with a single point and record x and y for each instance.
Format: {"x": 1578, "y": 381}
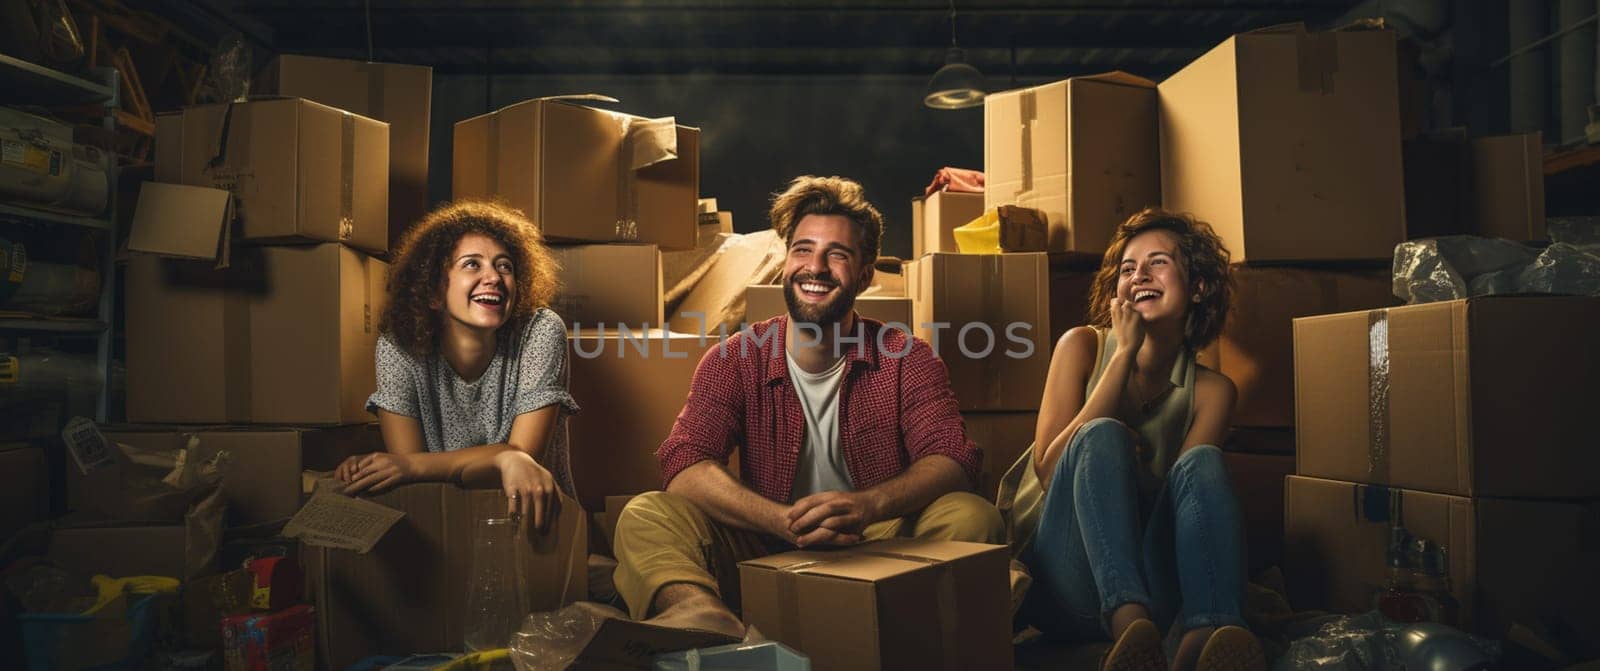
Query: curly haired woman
{"x": 472, "y": 364}
{"x": 1122, "y": 508}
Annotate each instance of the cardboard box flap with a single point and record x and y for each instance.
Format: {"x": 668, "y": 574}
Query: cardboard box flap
{"x": 1119, "y": 78}
{"x": 190, "y": 222}
{"x": 1290, "y": 28}
{"x": 866, "y": 564}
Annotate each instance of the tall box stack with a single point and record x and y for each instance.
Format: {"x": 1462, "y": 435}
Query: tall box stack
{"x": 1466, "y": 423}
{"x": 400, "y": 95}
{"x": 252, "y": 304}
{"x": 1288, "y": 143}
{"x": 615, "y": 194}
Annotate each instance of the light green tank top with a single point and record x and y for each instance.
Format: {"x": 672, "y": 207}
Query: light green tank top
{"x": 1162, "y": 423}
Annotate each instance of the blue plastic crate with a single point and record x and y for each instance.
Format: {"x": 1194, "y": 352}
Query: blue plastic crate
{"x": 45, "y": 634}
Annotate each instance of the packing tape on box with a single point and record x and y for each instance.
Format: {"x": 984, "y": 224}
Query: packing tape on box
{"x": 1028, "y": 106}
{"x": 1317, "y": 56}
{"x": 1378, "y": 392}
{"x": 347, "y": 176}
{"x": 1378, "y": 504}
{"x": 944, "y": 595}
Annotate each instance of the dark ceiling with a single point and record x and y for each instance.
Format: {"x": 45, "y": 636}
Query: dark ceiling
{"x": 756, "y": 37}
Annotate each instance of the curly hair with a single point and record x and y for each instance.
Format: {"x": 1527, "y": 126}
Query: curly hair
{"x": 418, "y": 272}
{"x": 1203, "y": 258}
{"x": 809, "y": 194}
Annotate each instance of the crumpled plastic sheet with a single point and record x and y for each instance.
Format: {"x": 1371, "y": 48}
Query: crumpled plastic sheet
{"x": 1372, "y": 642}
{"x": 228, "y": 77}
{"x": 550, "y": 640}
{"x": 1463, "y": 266}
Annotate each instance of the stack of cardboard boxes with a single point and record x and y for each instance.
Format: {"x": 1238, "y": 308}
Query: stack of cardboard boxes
{"x": 611, "y": 192}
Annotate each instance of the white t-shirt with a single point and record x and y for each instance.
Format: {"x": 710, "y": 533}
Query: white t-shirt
{"x": 821, "y": 466}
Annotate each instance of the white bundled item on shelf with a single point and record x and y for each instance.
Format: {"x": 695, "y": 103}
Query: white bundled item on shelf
{"x": 41, "y": 165}
{"x": 1464, "y": 266}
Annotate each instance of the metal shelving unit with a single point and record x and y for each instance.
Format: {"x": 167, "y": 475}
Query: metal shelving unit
{"x": 30, "y": 84}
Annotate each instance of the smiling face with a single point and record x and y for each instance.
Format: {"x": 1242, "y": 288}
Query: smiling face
{"x": 480, "y": 284}
{"x": 824, "y": 270}
{"x": 1151, "y": 277}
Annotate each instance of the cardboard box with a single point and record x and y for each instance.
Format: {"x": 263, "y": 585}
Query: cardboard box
{"x": 120, "y": 551}
{"x": 1082, "y": 150}
{"x": 1510, "y": 561}
{"x": 1071, "y": 276}
{"x": 610, "y": 284}
{"x": 1288, "y": 143}
{"x": 24, "y": 487}
{"x": 717, "y": 299}
{"x": 765, "y": 301}
{"x": 409, "y": 593}
{"x": 400, "y": 95}
{"x": 1477, "y": 397}
{"x": 1256, "y": 348}
{"x": 285, "y": 335}
{"x": 298, "y": 170}
{"x": 636, "y": 383}
{"x": 896, "y": 604}
{"x": 1001, "y": 295}
{"x": 262, "y": 484}
{"x": 584, "y": 174}
{"x": 1507, "y": 187}
{"x": 1003, "y": 437}
{"x": 939, "y": 214}
{"x": 1258, "y": 484}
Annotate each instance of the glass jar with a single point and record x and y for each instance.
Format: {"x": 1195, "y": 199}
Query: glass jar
{"x": 496, "y": 596}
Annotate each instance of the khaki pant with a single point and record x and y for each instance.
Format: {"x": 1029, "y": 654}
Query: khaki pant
{"x": 663, "y": 539}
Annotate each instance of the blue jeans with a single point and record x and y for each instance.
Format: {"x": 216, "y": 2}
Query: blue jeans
{"x": 1089, "y": 556}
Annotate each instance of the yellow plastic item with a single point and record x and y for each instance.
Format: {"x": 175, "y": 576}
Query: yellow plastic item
{"x": 478, "y": 661}
{"x": 110, "y": 588}
{"x": 981, "y": 235}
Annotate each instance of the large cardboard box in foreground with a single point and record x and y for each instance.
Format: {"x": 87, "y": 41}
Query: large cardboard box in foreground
{"x": 935, "y": 218}
{"x": 1485, "y": 396}
{"x": 613, "y": 285}
{"x": 632, "y": 387}
{"x": 285, "y": 335}
{"x": 1082, "y": 150}
{"x": 400, "y": 95}
{"x": 1288, "y": 142}
{"x": 988, "y": 317}
{"x": 298, "y": 170}
{"x": 765, "y": 301}
{"x": 1510, "y": 561}
{"x": 896, "y": 604}
{"x": 262, "y": 483}
{"x": 1256, "y": 349}
{"x": 585, "y": 174}
{"x": 409, "y": 593}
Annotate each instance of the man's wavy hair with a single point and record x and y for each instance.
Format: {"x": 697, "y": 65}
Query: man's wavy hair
{"x": 1201, "y": 255}
{"x": 418, "y": 272}
{"x": 809, "y": 194}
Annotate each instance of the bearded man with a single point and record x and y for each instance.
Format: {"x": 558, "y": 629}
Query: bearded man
{"x": 846, "y": 431}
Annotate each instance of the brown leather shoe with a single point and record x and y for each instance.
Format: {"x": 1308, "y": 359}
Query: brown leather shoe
{"x": 1232, "y": 648}
{"x": 1138, "y": 649}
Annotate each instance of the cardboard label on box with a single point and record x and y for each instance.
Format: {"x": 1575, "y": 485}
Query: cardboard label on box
{"x": 340, "y": 522}
{"x": 987, "y": 316}
{"x": 401, "y": 95}
{"x": 1475, "y": 397}
{"x": 298, "y": 171}
{"x": 584, "y": 174}
{"x": 1258, "y": 141}
{"x": 1510, "y": 561}
{"x": 1083, "y": 150}
{"x": 896, "y": 604}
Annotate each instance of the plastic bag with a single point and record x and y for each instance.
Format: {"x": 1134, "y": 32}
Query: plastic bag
{"x": 1463, "y": 266}
{"x": 228, "y": 77}
{"x": 1371, "y": 642}
{"x": 549, "y": 641}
